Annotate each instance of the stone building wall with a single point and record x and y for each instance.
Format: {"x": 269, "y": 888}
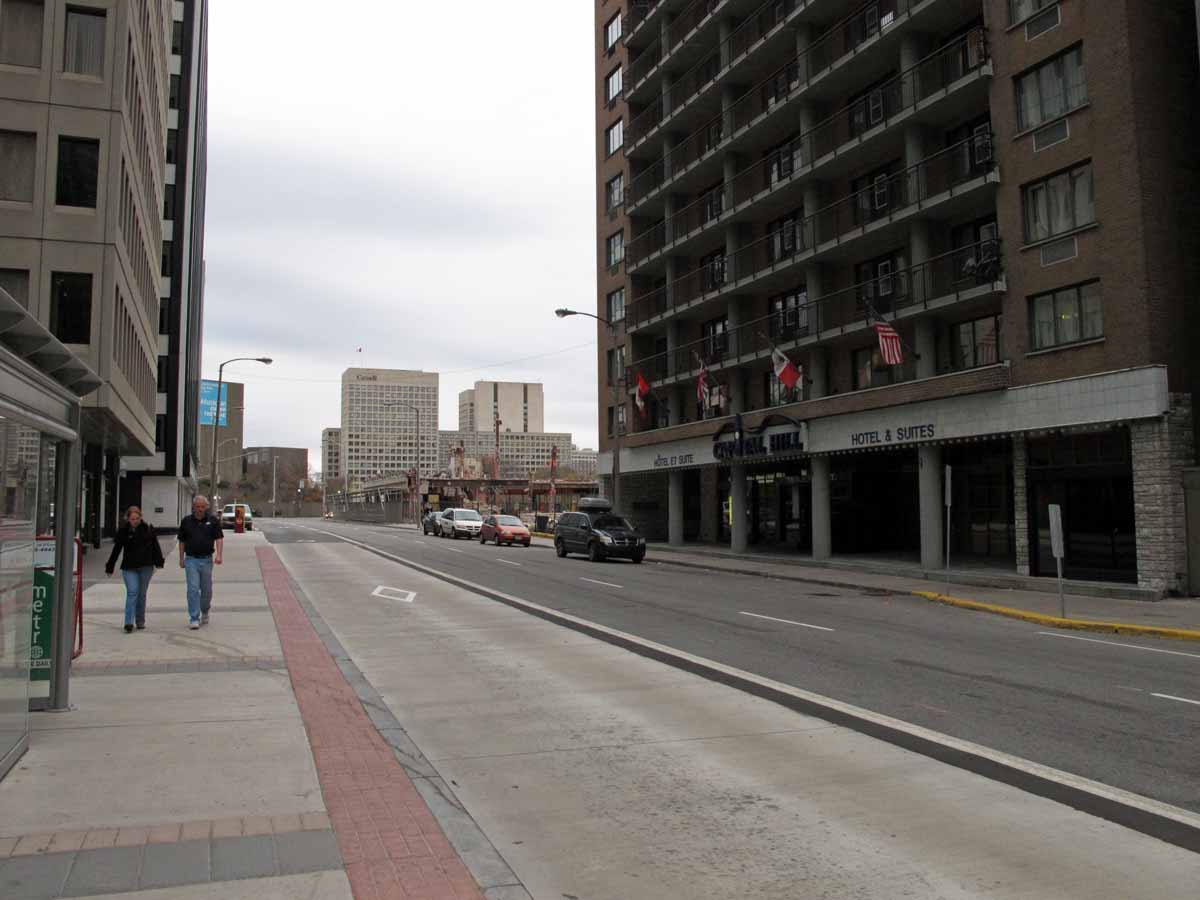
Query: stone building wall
{"x": 1162, "y": 449}
{"x": 1021, "y": 503}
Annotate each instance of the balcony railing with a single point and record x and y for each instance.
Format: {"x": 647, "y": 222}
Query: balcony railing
{"x": 882, "y": 198}
{"x": 840, "y": 40}
{"x": 639, "y": 11}
{"x": 941, "y": 279}
{"x": 932, "y": 74}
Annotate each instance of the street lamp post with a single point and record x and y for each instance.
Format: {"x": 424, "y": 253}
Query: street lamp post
{"x": 266, "y": 361}
{"x": 618, "y": 400}
{"x": 417, "y": 410}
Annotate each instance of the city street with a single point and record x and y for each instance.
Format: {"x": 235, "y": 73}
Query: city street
{"x": 1118, "y": 710}
{"x": 599, "y": 773}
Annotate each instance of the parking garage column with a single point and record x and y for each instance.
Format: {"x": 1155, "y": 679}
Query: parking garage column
{"x": 822, "y": 520}
{"x": 929, "y": 485}
{"x": 672, "y": 348}
{"x": 737, "y": 501}
{"x": 675, "y": 507}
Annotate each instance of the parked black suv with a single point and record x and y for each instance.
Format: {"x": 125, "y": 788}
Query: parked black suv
{"x": 599, "y": 532}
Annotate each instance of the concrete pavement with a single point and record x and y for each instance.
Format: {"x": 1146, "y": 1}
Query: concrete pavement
{"x": 602, "y": 774}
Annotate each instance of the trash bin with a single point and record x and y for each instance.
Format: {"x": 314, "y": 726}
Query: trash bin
{"x": 541, "y": 523}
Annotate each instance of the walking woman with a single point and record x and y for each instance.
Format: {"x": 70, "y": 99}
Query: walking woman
{"x": 142, "y": 556}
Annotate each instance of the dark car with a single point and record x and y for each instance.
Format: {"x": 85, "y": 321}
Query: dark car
{"x": 599, "y": 532}
{"x": 429, "y": 524}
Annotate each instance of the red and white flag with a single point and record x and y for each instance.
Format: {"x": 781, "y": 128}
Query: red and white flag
{"x": 643, "y": 390}
{"x": 889, "y": 344}
{"x": 785, "y": 370}
{"x": 702, "y": 387}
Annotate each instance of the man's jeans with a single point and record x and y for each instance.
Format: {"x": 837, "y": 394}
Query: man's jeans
{"x": 137, "y": 582}
{"x": 198, "y": 570}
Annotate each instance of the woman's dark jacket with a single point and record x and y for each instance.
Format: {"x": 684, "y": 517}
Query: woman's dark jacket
{"x": 140, "y": 545}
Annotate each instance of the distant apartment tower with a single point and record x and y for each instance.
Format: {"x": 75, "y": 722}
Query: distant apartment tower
{"x": 385, "y": 413}
{"x": 164, "y": 483}
{"x": 1010, "y": 185}
{"x": 331, "y": 454}
{"x": 519, "y": 405}
{"x": 581, "y": 462}
{"x": 85, "y": 93}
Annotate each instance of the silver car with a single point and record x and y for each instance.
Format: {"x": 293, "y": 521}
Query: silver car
{"x": 456, "y": 523}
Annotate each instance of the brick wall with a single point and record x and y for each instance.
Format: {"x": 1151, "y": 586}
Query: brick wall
{"x": 1020, "y": 503}
{"x": 1162, "y": 449}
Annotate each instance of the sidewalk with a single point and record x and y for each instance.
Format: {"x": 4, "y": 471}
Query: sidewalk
{"x": 186, "y": 767}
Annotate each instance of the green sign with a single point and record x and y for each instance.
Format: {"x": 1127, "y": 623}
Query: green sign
{"x": 43, "y": 606}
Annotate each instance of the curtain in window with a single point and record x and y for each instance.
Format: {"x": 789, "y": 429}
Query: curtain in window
{"x": 84, "y": 44}
{"x": 1066, "y": 311}
{"x": 1091, "y": 311}
{"x": 1075, "y": 77}
{"x": 1061, "y": 209}
{"x": 1084, "y": 201}
{"x": 18, "y": 164}
{"x": 986, "y": 342}
{"x": 966, "y": 346}
{"x": 1051, "y": 86}
{"x": 1028, "y": 105}
{"x": 1043, "y": 322}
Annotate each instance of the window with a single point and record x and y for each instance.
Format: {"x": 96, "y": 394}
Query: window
{"x": 870, "y": 369}
{"x": 1020, "y": 10}
{"x": 616, "y": 305}
{"x": 614, "y": 192}
{"x": 716, "y": 338}
{"x": 612, "y": 85}
{"x": 614, "y": 137}
{"x": 83, "y": 43}
{"x": 712, "y": 203}
{"x": 177, "y": 38}
{"x": 711, "y": 135}
{"x": 789, "y": 315}
{"x": 778, "y": 394}
{"x": 874, "y": 192}
{"x": 173, "y": 96}
{"x": 616, "y": 365}
{"x": 160, "y": 433}
{"x": 16, "y": 283}
{"x": 1053, "y": 89}
{"x": 1059, "y": 204}
{"x": 164, "y": 372}
{"x": 165, "y": 269}
{"x": 168, "y": 201}
{"x": 776, "y": 88}
{"x": 18, "y": 165}
{"x": 867, "y": 109}
{"x": 21, "y": 33}
{"x": 621, "y": 418}
{"x": 78, "y": 172}
{"x": 712, "y": 270}
{"x": 1067, "y": 316}
{"x": 883, "y": 282}
{"x": 783, "y": 161}
{"x": 976, "y": 343}
{"x": 785, "y": 236}
{"x": 612, "y": 32}
{"x": 614, "y": 249}
{"x": 71, "y": 307}
{"x": 164, "y": 316}
{"x": 172, "y": 146}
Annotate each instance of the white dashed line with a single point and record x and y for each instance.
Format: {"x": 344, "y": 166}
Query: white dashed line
{"x": 1180, "y": 699}
{"x": 605, "y": 583}
{"x": 508, "y": 562}
{"x": 788, "y": 621}
{"x": 1075, "y": 637}
{"x": 452, "y": 550}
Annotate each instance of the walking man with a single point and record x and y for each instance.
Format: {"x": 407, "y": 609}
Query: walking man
{"x": 201, "y": 543}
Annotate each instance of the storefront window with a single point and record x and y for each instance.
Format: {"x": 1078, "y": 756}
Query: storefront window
{"x": 20, "y": 461}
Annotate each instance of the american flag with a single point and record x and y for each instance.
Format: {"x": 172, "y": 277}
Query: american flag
{"x": 889, "y": 344}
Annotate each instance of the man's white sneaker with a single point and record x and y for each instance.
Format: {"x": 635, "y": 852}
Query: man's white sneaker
{"x": 193, "y": 625}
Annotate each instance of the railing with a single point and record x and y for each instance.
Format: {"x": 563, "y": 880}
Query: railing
{"x": 946, "y": 276}
{"x": 882, "y": 198}
{"x": 934, "y": 73}
{"x": 639, "y": 10}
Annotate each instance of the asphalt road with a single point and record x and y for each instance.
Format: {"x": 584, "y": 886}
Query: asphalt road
{"x": 1121, "y": 711}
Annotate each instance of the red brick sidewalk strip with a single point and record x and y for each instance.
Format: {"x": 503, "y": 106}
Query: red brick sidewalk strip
{"x": 391, "y": 843}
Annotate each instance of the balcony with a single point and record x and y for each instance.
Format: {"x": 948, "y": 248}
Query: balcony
{"x": 945, "y": 182}
{"x": 644, "y": 23}
{"x": 841, "y": 41}
{"x": 969, "y": 273}
{"x": 933, "y": 77}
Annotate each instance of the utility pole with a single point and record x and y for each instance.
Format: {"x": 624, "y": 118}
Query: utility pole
{"x": 274, "y": 482}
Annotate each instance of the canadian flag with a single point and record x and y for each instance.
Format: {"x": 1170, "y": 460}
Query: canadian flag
{"x": 702, "y": 387}
{"x": 785, "y": 370}
{"x": 643, "y": 389}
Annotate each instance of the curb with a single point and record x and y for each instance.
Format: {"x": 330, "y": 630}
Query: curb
{"x": 1180, "y": 634}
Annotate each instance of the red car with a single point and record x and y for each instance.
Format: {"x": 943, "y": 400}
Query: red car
{"x": 504, "y": 530}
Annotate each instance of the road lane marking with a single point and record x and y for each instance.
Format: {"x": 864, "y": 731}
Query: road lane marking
{"x": 1180, "y": 699}
{"x": 508, "y": 562}
{"x": 788, "y": 622}
{"x": 452, "y": 549}
{"x": 391, "y": 593}
{"x": 605, "y": 583}
{"x": 1075, "y": 637}
{"x": 422, "y": 543}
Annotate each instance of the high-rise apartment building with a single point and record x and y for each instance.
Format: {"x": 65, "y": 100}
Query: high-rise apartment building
{"x": 386, "y": 415}
{"x": 164, "y": 483}
{"x": 331, "y": 454}
{"x": 85, "y": 97}
{"x": 520, "y": 407}
{"x": 1010, "y": 185}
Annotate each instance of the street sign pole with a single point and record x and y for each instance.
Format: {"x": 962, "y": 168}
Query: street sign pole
{"x": 1056, "y": 548}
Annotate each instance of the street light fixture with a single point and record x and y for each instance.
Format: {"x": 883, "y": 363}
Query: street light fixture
{"x": 266, "y": 361}
{"x": 416, "y": 409}
{"x": 618, "y": 402}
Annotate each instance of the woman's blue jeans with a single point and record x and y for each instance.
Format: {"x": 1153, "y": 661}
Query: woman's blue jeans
{"x": 137, "y": 583}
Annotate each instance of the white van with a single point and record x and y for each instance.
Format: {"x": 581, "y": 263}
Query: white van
{"x": 229, "y": 516}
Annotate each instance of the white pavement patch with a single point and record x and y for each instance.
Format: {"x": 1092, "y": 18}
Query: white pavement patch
{"x": 605, "y": 583}
{"x": 787, "y": 621}
{"x": 1075, "y": 637}
{"x": 391, "y": 593}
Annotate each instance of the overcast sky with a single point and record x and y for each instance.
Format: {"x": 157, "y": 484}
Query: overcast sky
{"x": 414, "y": 179}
